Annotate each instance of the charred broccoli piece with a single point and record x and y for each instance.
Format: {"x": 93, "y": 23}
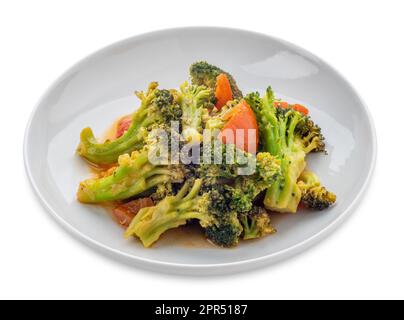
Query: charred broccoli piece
{"x": 203, "y": 73}
{"x": 222, "y": 163}
{"x": 225, "y": 235}
{"x": 314, "y": 195}
{"x": 226, "y": 229}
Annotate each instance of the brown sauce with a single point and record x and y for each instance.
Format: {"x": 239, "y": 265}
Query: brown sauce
{"x": 189, "y": 236}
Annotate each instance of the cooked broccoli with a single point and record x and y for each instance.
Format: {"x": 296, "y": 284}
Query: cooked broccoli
{"x": 157, "y": 107}
{"x": 288, "y": 135}
{"x": 193, "y": 101}
{"x": 225, "y": 235}
{"x": 226, "y": 229}
{"x": 242, "y": 179}
{"x": 314, "y": 195}
{"x": 246, "y": 188}
{"x": 223, "y": 228}
{"x": 221, "y": 162}
{"x": 256, "y": 224}
{"x": 218, "y": 118}
{"x": 133, "y": 176}
{"x": 203, "y": 73}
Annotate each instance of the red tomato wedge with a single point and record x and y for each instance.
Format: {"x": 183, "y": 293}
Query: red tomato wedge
{"x": 125, "y": 213}
{"x": 123, "y": 125}
{"x": 242, "y": 118}
{"x": 223, "y": 91}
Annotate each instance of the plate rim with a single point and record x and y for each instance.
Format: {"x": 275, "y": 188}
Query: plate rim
{"x": 189, "y": 268}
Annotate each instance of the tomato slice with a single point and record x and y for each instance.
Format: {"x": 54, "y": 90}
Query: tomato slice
{"x": 281, "y": 104}
{"x": 241, "y": 119}
{"x": 302, "y": 109}
{"x": 125, "y": 213}
{"x": 123, "y": 125}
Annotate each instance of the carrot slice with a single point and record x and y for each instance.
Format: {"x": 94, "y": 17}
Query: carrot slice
{"x": 241, "y": 117}
{"x": 281, "y": 104}
{"x": 298, "y": 107}
{"x": 223, "y": 90}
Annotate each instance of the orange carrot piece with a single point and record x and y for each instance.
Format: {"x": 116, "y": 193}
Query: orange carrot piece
{"x": 301, "y": 109}
{"x": 223, "y": 92}
{"x": 241, "y": 117}
{"x": 281, "y": 104}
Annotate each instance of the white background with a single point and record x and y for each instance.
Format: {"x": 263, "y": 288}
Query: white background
{"x": 363, "y": 39}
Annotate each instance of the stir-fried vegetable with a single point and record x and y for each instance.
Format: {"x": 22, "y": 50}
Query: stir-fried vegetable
{"x": 238, "y": 160}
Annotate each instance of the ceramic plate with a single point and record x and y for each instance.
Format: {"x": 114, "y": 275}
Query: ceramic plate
{"x": 100, "y": 88}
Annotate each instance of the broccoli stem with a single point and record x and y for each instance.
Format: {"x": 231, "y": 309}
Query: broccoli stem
{"x": 250, "y": 230}
{"x": 150, "y": 223}
{"x": 284, "y": 195}
{"x": 193, "y": 100}
{"x": 278, "y": 129}
{"x": 109, "y": 151}
{"x": 133, "y": 176}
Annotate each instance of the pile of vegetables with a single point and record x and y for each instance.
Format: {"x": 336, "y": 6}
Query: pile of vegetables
{"x": 151, "y": 198}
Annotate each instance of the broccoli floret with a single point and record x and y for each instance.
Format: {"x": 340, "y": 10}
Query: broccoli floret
{"x": 157, "y": 107}
{"x": 246, "y": 188}
{"x": 314, "y": 195}
{"x": 133, "y": 175}
{"x": 242, "y": 180}
{"x": 226, "y": 229}
{"x": 203, "y": 73}
{"x": 166, "y": 102}
{"x": 188, "y": 204}
{"x": 288, "y": 135}
{"x": 225, "y": 235}
{"x": 193, "y": 100}
{"x": 256, "y": 224}
{"x": 311, "y": 137}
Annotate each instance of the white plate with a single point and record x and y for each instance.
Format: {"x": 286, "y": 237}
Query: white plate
{"x": 100, "y": 88}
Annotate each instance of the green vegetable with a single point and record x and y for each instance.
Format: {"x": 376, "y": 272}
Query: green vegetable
{"x": 288, "y": 135}
{"x": 246, "y": 188}
{"x": 133, "y": 175}
{"x": 223, "y": 228}
{"x": 256, "y": 224}
{"x": 193, "y": 100}
{"x": 225, "y": 191}
{"x": 314, "y": 195}
{"x": 157, "y": 107}
{"x": 203, "y": 73}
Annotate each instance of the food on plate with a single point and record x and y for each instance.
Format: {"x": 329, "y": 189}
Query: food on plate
{"x": 205, "y": 154}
